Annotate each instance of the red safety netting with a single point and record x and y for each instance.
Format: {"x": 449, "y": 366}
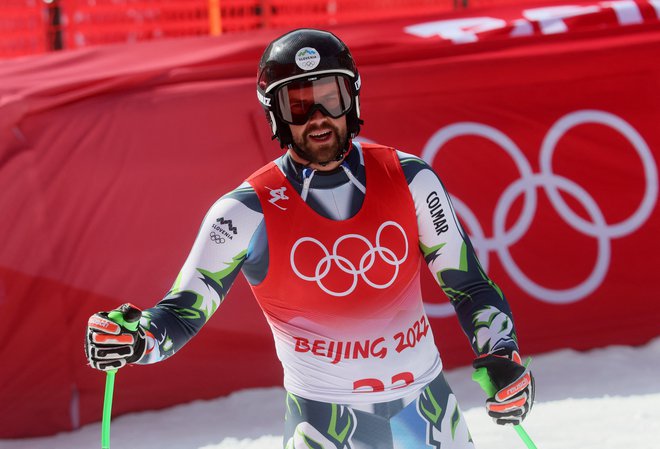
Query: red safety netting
{"x": 34, "y": 26}
{"x": 108, "y": 21}
{"x": 286, "y": 13}
{"x": 23, "y": 27}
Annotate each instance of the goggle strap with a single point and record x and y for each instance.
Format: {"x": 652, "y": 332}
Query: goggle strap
{"x": 319, "y": 74}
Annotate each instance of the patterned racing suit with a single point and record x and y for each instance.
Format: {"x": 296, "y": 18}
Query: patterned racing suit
{"x": 342, "y": 296}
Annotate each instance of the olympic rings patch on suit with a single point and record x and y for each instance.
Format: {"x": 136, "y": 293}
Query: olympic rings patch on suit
{"x": 367, "y": 260}
{"x": 216, "y": 238}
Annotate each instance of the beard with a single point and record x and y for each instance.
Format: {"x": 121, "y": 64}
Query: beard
{"x": 321, "y": 153}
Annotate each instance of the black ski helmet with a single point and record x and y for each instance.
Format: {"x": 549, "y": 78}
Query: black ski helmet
{"x": 304, "y": 54}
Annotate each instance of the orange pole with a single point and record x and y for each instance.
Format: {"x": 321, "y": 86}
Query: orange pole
{"x": 215, "y": 18}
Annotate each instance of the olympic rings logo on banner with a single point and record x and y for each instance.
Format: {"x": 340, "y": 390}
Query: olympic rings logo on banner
{"x": 367, "y": 260}
{"x": 596, "y": 226}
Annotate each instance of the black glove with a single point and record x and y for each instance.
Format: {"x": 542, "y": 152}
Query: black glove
{"x": 115, "y": 338}
{"x": 515, "y": 387}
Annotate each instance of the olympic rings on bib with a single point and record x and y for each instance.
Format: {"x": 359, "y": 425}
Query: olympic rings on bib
{"x": 367, "y": 260}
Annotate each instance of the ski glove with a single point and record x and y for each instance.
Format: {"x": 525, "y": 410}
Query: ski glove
{"x": 515, "y": 387}
{"x": 115, "y": 338}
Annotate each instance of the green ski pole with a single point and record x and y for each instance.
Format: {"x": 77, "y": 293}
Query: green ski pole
{"x": 481, "y": 377}
{"x": 107, "y": 408}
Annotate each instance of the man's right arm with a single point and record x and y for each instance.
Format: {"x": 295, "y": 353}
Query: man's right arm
{"x": 218, "y": 253}
{"x": 212, "y": 265}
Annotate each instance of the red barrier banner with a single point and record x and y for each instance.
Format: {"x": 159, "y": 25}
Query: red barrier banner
{"x": 542, "y": 123}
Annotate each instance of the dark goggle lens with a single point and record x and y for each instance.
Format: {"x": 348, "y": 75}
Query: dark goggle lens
{"x": 297, "y": 101}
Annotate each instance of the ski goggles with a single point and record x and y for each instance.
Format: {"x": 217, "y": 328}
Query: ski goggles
{"x": 299, "y": 99}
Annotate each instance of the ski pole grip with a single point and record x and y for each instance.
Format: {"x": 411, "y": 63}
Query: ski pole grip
{"x": 480, "y": 376}
{"x": 127, "y": 316}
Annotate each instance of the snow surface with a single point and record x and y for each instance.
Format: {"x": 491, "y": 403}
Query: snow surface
{"x": 602, "y": 399}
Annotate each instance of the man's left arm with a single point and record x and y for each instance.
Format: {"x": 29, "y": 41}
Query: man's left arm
{"x": 481, "y": 307}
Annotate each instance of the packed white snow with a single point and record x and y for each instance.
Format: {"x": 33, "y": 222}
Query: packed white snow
{"x": 602, "y": 399}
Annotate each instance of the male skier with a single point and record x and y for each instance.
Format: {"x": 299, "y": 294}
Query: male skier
{"x": 331, "y": 237}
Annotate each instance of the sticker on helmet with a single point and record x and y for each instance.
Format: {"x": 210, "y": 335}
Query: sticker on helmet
{"x": 308, "y": 58}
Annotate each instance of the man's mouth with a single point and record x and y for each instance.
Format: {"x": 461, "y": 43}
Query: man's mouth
{"x": 320, "y": 136}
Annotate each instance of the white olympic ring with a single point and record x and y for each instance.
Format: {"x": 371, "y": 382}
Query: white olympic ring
{"x": 367, "y": 260}
{"x": 527, "y": 184}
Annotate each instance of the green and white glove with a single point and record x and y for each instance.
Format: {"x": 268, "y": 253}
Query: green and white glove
{"x": 115, "y": 339}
